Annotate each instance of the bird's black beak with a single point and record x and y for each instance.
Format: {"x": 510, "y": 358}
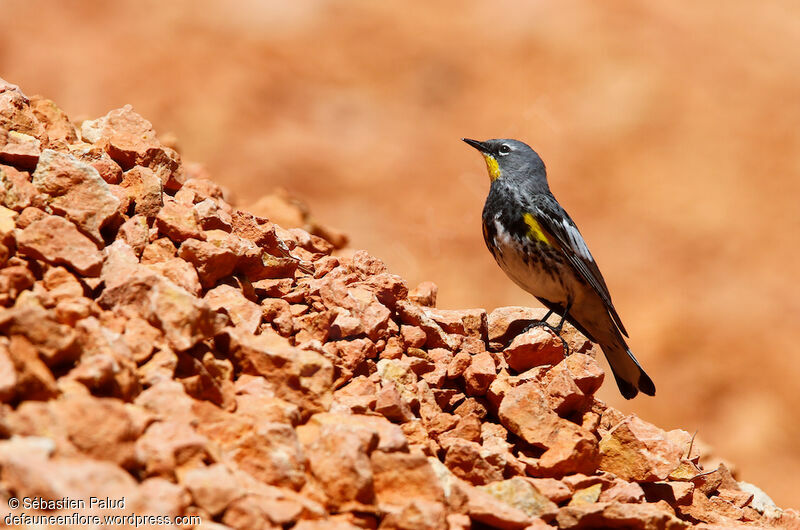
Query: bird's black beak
{"x": 480, "y": 146}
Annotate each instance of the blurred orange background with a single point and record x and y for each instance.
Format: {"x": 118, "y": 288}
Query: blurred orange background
{"x": 671, "y": 133}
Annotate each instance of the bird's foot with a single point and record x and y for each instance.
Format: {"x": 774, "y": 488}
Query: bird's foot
{"x": 537, "y": 324}
{"x": 555, "y": 329}
{"x": 567, "y": 351}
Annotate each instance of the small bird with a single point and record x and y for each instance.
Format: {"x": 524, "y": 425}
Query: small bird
{"x": 538, "y": 246}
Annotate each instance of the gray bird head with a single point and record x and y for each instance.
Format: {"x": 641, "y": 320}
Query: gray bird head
{"x": 511, "y": 159}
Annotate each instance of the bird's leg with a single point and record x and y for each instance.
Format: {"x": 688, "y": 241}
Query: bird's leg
{"x": 560, "y": 326}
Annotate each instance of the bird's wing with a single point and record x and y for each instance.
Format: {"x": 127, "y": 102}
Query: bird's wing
{"x": 557, "y": 224}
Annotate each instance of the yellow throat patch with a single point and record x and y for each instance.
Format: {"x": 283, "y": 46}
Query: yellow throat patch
{"x": 492, "y": 166}
{"x": 534, "y": 228}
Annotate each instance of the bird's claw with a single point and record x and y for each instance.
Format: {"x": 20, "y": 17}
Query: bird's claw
{"x": 555, "y": 330}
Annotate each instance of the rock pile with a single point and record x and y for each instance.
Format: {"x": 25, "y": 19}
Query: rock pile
{"x": 162, "y": 347}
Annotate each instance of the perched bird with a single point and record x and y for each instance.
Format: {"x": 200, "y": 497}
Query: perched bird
{"x": 538, "y": 246}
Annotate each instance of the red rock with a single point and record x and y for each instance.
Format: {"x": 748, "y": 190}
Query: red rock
{"x": 98, "y": 159}
{"x": 106, "y": 365}
{"x": 16, "y": 113}
{"x": 522, "y": 495}
{"x": 390, "y": 404}
{"x": 621, "y": 491}
{"x": 177, "y": 222}
{"x": 242, "y": 312}
{"x": 135, "y": 232}
{"x": 390, "y": 437}
{"x": 617, "y": 515}
{"x": 740, "y": 499}
{"x": 268, "y": 451}
{"x": 256, "y": 229}
{"x": 505, "y": 323}
{"x": 130, "y": 140}
{"x": 55, "y": 240}
{"x": 253, "y": 259}
{"x": 278, "y": 313}
{"x": 524, "y": 411}
{"x": 388, "y": 288}
{"x": 19, "y": 192}
{"x": 311, "y": 243}
{"x": 57, "y": 478}
{"x": 184, "y": 319}
{"x": 203, "y": 187}
{"x": 8, "y": 375}
{"x": 104, "y": 429}
{"x": 398, "y": 477}
{"x": 710, "y": 482}
{"x": 485, "y": 508}
{"x": 637, "y": 450}
{"x": 299, "y": 376}
{"x": 726, "y": 509}
{"x": 58, "y": 128}
{"x": 211, "y": 216}
{"x": 468, "y": 428}
{"x": 120, "y": 264}
{"x": 704, "y": 510}
{"x": 179, "y": 272}
{"x": 459, "y": 364}
{"x": 144, "y": 189}
{"x": 28, "y": 216}
{"x": 536, "y": 347}
{"x": 674, "y": 492}
{"x": 348, "y": 355}
{"x": 212, "y": 259}
{"x": 19, "y": 149}
{"x": 584, "y": 370}
{"x": 553, "y": 489}
{"x": 324, "y": 265}
{"x": 7, "y": 221}
{"x": 168, "y": 445}
{"x": 424, "y": 294}
{"x": 61, "y": 284}
{"x": 14, "y": 280}
{"x": 587, "y": 495}
{"x": 56, "y": 343}
{"x": 468, "y": 461}
{"x": 328, "y": 524}
{"x": 75, "y": 190}
{"x": 571, "y": 383}
{"x": 273, "y": 287}
{"x": 399, "y": 373}
{"x": 480, "y": 374}
{"x": 414, "y": 315}
{"x": 252, "y": 511}
{"x": 313, "y": 326}
{"x": 413, "y": 336}
{"x": 161, "y": 249}
{"x": 361, "y": 303}
{"x": 339, "y": 460}
{"x": 141, "y": 338}
{"x": 416, "y": 514}
{"x": 563, "y": 394}
{"x": 261, "y": 405}
{"x": 345, "y": 325}
{"x": 356, "y": 397}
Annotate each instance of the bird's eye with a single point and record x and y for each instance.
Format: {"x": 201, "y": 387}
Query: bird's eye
{"x": 504, "y": 149}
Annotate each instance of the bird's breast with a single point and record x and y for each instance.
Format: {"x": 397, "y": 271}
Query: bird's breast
{"x": 532, "y": 264}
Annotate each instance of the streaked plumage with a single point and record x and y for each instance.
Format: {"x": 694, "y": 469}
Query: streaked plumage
{"x": 538, "y": 246}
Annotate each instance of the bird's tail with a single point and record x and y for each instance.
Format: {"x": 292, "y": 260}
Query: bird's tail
{"x": 630, "y": 377}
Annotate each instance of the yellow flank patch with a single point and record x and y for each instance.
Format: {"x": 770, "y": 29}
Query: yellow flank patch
{"x": 491, "y": 165}
{"x": 535, "y": 229}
